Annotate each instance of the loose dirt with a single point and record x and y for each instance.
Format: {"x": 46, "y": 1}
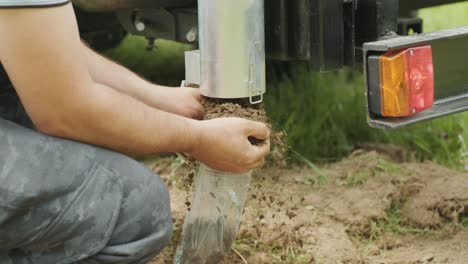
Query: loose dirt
{"x": 368, "y": 208}
{"x": 216, "y": 108}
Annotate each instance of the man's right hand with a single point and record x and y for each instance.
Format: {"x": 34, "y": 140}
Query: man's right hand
{"x": 223, "y": 144}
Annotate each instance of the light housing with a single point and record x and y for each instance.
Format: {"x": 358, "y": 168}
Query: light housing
{"x": 406, "y": 81}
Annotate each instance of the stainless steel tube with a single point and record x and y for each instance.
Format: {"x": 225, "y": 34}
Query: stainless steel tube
{"x": 232, "y": 48}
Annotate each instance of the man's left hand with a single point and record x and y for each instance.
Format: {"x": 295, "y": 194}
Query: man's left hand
{"x": 180, "y": 101}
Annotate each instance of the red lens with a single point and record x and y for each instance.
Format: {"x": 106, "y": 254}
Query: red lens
{"x": 420, "y": 77}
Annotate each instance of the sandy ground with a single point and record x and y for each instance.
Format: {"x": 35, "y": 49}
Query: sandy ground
{"x": 368, "y": 208}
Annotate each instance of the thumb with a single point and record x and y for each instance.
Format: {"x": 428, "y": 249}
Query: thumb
{"x": 258, "y": 130}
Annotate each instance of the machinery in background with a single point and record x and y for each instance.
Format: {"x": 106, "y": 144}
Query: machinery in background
{"x": 409, "y": 78}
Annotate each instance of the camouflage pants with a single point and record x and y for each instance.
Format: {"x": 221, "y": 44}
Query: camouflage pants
{"x": 66, "y": 202}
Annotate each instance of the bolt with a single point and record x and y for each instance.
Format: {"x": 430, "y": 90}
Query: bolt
{"x": 192, "y": 35}
{"x": 411, "y": 52}
{"x": 139, "y": 25}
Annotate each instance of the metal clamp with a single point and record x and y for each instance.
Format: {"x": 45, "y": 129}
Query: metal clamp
{"x": 251, "y": 99}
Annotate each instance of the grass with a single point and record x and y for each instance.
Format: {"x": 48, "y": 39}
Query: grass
{"x": 324, "y": 114}
{"x": 394, "y": 224}
{"x": 445, "y": 16}
{"x": 387, "y": 166}
{"x": 324, "y": 117}
{"x": 358, "y": 178}
{"x": 382, "y": 168}
{"x": 464, "y": 222}
{"x": 165, "y": 64}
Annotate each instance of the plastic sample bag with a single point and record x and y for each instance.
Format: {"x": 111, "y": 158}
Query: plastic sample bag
{"x": 211, "y": 226}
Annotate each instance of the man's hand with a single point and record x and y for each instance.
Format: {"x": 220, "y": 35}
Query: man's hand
{"x": 180, "y": 101}
{"x": 224, "y": 145}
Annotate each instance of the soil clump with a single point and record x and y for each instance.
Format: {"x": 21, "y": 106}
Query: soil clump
{"x": 241, "y": 108}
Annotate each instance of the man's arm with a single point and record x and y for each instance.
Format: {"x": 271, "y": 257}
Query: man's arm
{"x": 42, "y": 53}
{"x": 109, "y": 73}
{"x": 185, "y": 102}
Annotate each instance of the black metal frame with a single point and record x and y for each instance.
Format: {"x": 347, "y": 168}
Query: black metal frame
{"x": 328, "y": 34}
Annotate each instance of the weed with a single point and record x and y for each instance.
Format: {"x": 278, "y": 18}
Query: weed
{"x": 288, "y": 254}
{"x": 358, "y": 178}
{"x": 291, "y": 256}
{"x": 387, "y": 166}
{"x": 464, "y": 222}
{"x": 317, "y": 179}
{"x": 178, "y": 163}
{"x": 393, "y": 224}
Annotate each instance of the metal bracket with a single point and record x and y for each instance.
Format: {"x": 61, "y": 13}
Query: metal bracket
{"x": 252, "y": 101}
{"x": 192, "y": 67}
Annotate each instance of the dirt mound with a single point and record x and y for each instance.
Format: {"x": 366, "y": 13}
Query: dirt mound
{"x": 422, "y": 250}
{"x": 356, "y": 206}
{"x": 278, "y": 221}
{"x": 443, "y": 198}
{"x": 362, "y": 188}
{"x": 364, "y": 209}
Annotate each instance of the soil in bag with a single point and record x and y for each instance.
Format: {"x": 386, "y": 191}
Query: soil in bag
{"x": 211, "y": 226}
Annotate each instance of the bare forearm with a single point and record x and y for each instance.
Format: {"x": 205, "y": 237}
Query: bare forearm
{"x": 111, "y": 74}
{"x": 122, "y": 123}
{"x": 184, "y": 102}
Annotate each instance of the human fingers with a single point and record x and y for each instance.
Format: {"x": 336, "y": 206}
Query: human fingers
{"x": 258, "y": 153}
{"x": 195, "y": 93}
{"x": 257, "y": 130}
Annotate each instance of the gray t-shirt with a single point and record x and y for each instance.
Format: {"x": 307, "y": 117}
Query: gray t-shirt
{"x": 31, "y": 3}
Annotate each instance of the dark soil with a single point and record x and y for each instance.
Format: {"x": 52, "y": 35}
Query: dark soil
{"x": 216, "y": 108}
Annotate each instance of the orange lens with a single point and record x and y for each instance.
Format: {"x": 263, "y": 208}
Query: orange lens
{"x": 394, "y": 88}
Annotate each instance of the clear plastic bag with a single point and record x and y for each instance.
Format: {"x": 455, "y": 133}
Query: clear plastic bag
{"x": 211, "y": 226}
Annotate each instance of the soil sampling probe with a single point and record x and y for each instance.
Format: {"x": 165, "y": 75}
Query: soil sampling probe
{"x": 230, "y": 64}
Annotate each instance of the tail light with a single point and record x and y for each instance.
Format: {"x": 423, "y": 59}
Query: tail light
{"x": 401, "y": 82}
{"x": 406, "y": 81}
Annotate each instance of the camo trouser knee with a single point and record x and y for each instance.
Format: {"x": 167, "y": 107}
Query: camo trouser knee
{"x": 67, "y": 202}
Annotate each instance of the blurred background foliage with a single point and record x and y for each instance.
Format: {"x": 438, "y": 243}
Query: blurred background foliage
{"x": 324, "y": 114}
